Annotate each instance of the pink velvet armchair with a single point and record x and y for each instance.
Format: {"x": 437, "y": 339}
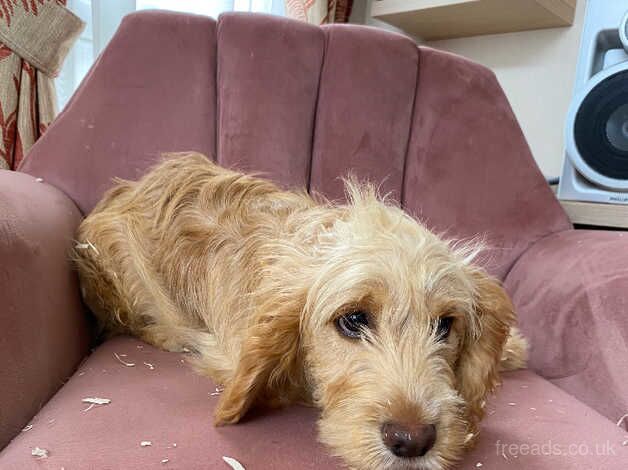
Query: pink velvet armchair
{"x": 304, "y": 105}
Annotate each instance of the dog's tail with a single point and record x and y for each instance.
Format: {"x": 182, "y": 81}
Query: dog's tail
{"x": 515, "y": 354}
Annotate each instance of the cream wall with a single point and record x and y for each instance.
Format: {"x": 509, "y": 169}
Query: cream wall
{"x": 536, "y": 70}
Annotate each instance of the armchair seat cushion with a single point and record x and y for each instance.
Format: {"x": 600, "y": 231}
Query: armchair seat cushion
{"x": 571, "y": 292}
{"x": 170, "y": 405}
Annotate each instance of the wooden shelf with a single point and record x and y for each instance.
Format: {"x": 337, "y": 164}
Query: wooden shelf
{"x": 440, "y": 19}
{"x": 594, "y": 213}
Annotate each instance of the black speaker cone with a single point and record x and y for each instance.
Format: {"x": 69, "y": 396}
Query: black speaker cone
{"x": 601, "y": 127}
{"x": 617, "y": 128}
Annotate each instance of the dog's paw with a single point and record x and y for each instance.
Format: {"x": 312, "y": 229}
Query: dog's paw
{"x": 515, "y": 354}
{"x": 228, "y": 412}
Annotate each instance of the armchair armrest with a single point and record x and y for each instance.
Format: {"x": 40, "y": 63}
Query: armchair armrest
{"x": 571, "y": 293}
{"x": 43, "y": 328}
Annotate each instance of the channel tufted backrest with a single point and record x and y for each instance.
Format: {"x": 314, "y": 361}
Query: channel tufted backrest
{"x": 364, "y": 113}
{"x": 469, "y": 170}
{"x": 305, "y": 105}
{"x": 268, "y": 78}
{"x": 152, "y": 90}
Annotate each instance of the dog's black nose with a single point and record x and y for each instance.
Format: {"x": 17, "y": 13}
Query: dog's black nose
{"x": 409, "y": 440}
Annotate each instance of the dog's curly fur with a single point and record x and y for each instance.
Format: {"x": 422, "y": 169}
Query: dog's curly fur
{"x": 252, "y": 278}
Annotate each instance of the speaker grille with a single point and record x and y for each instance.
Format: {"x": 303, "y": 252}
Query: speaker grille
{"x": 601, "y": 127}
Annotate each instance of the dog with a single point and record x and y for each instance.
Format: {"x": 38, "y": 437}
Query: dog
{"x": 282, "y": 297}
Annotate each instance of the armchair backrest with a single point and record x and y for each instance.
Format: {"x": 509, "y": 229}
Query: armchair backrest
{"x": 305, "y": 105}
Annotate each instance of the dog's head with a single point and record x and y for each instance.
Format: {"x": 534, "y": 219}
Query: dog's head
{"x": 393, "y": 332}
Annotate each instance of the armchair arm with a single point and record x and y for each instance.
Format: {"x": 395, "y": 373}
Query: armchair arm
{"x": 43, "y": 328}
{"x": 571, "y": 292}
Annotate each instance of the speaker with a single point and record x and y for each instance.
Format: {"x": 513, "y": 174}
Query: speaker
{"x": 596, "y": 129}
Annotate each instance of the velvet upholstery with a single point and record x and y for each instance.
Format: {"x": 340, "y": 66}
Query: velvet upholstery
{"x": 264, "y": 126}
{"x": 469, "y": 169}
{"x": 362, "y": 124}
{"x": 171, "y": 405}
{"x": 43, "y": 328}
{"x": 571, "y": 292}
{"x": 303, "y": 105}
{"x": 152, "y": 90}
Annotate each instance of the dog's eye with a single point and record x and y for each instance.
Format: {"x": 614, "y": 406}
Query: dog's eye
{"x": 443, "y": 327}
{"x": 352, "y": 324}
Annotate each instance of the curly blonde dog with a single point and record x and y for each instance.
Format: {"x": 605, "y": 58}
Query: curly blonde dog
{"x": 357, "y": 309}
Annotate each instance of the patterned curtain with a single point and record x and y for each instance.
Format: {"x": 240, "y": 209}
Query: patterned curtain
{"x": 35, "y": 36}
{"x": 319, "y": 11}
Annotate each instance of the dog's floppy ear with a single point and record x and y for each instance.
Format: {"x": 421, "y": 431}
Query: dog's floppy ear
{"x": 478, "y": 363}
{"x": 268, "y": 365}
